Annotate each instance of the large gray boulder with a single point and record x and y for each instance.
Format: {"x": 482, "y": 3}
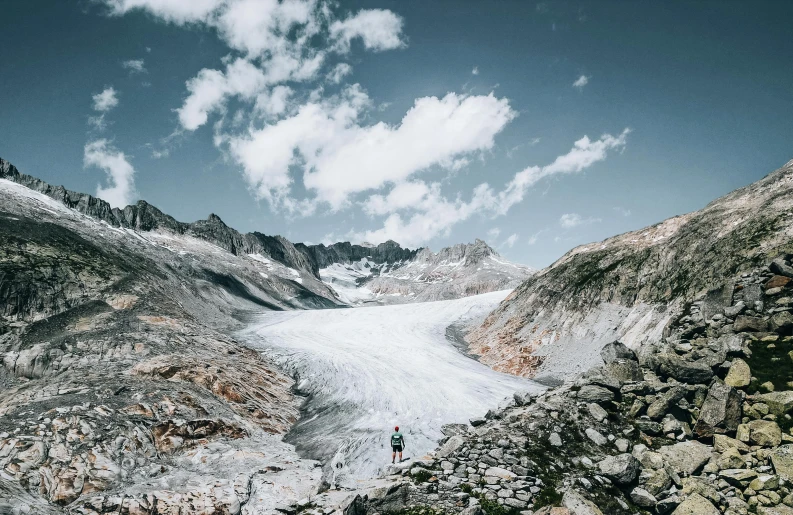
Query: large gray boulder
{"x": 592, "y": 393}
{"x": 686, "y": 457}
{"x": 616, "y": 351}
{"x": 782, "y": 459}
{"x": 665, "y": 401}
{"x": 721, "y": 411}
{"x": 779, "y": 267}
{"x": 622, "y": 468}
{"x": 695, "y": 504}
{"x": 779, "y": 403}
{"x": 685, "y": 371}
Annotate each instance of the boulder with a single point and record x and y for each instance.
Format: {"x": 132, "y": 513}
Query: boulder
{"x": 780, "y": 509}
{"x": 722, "y": 443}
{"x": 782, "y": 459}
{"x": 738, "y": 477}
{"x": 592, "y": 393}
{"x": 739, "y": 375}
{"x": 451, "y": 445}
{"x": 781, "y": 322}
{"x": 779, "y": 267}
{"x": 744, "y": 323}
{"x": 477, "y": 421}
{"x": 616, "y": 351}
{"x": 622, "y": 372}
{"x": 779, "y": 403}
{"x": 500, "y": 472}
{"x": 691, "y": 372}
{"x": 622, "y": 468}
{"x": 765, "y": 433}
{"x": 597, "y": 412}
{"x": 721, "y": 411}
{"x": 595, "y": 436}
{"x": 778, "y": 281}
{"x": 665, "y": 401}
{"x": 695, "y": 504}
{"x": 578, "y": 505}
{"x": 686, "y": 457}
{"x": 643, "y": 498}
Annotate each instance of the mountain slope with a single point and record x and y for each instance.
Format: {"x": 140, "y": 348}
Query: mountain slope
{"x": 453, "y": 272}
{"x": 631, "y": 286}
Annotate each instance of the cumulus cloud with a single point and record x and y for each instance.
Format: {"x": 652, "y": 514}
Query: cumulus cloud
{"x": 340, "y": 71}
{"x": 580, "y": 82}
{"x": 134, "y": 66}
{"x": 434, "y": 214}
{"x": 378, "y": 29}
{"x": 120, "y": 191}
{"x": 106, "y": 100}
{"x": 570, "y": 220}
{"x": 341, "y": 157}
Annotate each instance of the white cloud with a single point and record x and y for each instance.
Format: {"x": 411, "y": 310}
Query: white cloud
{"x": 134, "y": 66}
{"x": 493, "y": 233}
{"x": 379, "y": 29}
{"x": 340, "y": 157}
{"x": 210, "y": 90}
{"x": 510, "y": 242}
{"x": 580, "y": 82}
{"x": 534, "y": 238}
{"x": 622, "y": 211}
{"x": 402, "y": 196}
{"x": 273, "y": 102}
{"x": 570, "y": 220}
{"x": 174, "y": 11}
{"x": 475, "y": 71}
{"x": 340, "y": 71}
{"x": 434, "y": 215}
{"x": 120, "y": 173}
{"x": 106, "y": 100}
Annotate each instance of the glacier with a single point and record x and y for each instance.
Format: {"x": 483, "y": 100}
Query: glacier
{"x": 364, "y": 370}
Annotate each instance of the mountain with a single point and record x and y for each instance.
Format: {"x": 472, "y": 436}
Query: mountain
{"x": 632, "y": 286}
{"x": 422, "y": 275}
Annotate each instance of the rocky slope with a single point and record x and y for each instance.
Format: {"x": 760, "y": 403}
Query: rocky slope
{"x": 122, "y": 391}
{"x": 631, "y": 286}
{"x": 698, "y": 423}
{"x": 453, "y": 272}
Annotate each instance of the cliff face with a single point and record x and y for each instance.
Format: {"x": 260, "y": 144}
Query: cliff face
{"x": 630, "y": 286}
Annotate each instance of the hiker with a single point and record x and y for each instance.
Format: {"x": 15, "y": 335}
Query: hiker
{"x": 397, "y": 444}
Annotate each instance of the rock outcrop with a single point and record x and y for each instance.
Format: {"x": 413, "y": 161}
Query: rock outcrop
{"x": 631, "y": 286}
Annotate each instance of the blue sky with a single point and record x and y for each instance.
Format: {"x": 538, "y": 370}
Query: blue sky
{"x": 373, "y": 120}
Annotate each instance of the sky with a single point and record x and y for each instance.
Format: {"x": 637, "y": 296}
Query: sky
{"x": 536, "y": 126}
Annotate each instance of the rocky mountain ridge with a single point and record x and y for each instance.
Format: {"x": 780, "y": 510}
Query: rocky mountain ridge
{"x": 631, "y": 286}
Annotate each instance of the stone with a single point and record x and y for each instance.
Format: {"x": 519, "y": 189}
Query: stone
{"x": 695, "y": 504}
{"x": 774, "y": 510}
{"x": 577, "y": 504}
{"x": 686, "y": 457}
{"x": 765, "y": 482}
{"x": 738, "y": 477}
{"x": 615, "y": 351}
{"x": 655, "y": 481}
{"x": 477, "y": 421}
{"x": 779, "y": 403}
{"x": 744, "y": 323}
{"x": 768, "y": 386}
{"x": 778, "y": 281}
{"x": 592, "y": 393}
{"x": 597, "y": 412}
{"x": 621, "y": 372}
{"x": 523, "y": 398}
{"x": 622, "y": 468}
{"x": 515, "y": 503}
{"x": 721, "y": 411}
{"x": 731, "y": 459}
{"x": 782, "y": 460}
{"x": 452, "y": 444}
{"x": 739, "y": 375}
{"x": 500, "y": 472}
{"x": 722, "y": 443}
{"x": 643, "y": 498}
{"x": 595, "y": 436}
{"x": 622, "y": 444}
{"x": 555, "y": 440}
{"x": 781, "y": 322}
{"x": 765, "y": 433}
{"x": 685, "y": 371}
{"x": 665, "y": 401}
{"x": 779, "y": 267}
{"x": 735, "y": 310}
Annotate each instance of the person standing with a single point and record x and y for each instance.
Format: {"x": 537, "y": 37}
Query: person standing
{"x": 397, "y": 444}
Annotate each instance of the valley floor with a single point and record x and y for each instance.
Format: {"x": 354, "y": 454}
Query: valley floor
{"x": 365, "y": 370}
